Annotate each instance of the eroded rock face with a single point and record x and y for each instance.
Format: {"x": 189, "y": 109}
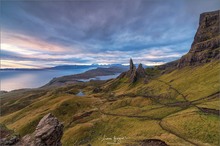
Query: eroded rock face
{"x": 49, "y": 132}
{"x": 131, "y": 74}
{"x": 11, "y": 141}
{"x": 205, "y": 47}
{"x": 140, "y": 71}
{"x": 132, "y": 69}
{"x": 134, "y": 74}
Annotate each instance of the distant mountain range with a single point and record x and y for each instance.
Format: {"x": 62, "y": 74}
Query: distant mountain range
{"x": 66, "y": 67}
{"x": 61, "y": 67}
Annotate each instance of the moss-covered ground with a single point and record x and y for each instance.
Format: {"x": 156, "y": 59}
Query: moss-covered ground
{"x": 166, "y": 107}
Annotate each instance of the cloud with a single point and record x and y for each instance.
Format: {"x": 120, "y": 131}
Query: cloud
{"x": 100, "y": 31}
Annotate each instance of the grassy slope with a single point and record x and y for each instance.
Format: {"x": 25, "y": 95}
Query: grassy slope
{"x": 161, "y": 108}
{"x": 192, "y": 82}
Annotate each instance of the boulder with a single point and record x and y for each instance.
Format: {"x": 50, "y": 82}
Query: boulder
{"x": 11, "y": 141}
{"x": 97, "y": 90}
{"x": 49, "y": 132}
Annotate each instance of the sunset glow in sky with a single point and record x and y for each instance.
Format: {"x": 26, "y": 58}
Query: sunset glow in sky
{"x": 37, "y": 34}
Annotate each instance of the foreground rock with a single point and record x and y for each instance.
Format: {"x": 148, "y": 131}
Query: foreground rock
{"x": 49, "y": 132}
{"x": 205, "y": 47}
{"x": 153, "y": 142}
{"x": 148, "y": 142}
{"x": 7, "y": 136}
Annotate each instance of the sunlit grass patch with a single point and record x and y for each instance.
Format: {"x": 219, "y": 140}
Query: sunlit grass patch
{"x": 195, "y": 125}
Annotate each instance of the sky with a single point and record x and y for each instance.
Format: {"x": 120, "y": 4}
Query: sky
{"x": 46, "y": 33}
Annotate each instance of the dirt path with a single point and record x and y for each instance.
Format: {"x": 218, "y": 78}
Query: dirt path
{"x": 176, "y": 134}
{"x": 129, "y": 116}
{"x": 171, "y": 87}
{"x": 192, "y": 103}
{"x": 212, "y": 96}
{"x": 151, "y": 118}
{"x": 184, "y": 104}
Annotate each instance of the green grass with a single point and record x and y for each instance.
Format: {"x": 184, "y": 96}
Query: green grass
{"x": 152, "y": 72}
{"x": 65, "y": 110}
{"x": 124, "y": 99}
{"x": 194, "y": 125}
{"x": 79, "y": 134}
{"x": 30, "y": 126}
{"x": 213, "y": 104}
{"x": 193, "y": 82}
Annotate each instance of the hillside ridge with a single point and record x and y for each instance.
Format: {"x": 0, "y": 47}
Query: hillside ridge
{"x": 153, "y": 106}
{"x": 205, "y": 47}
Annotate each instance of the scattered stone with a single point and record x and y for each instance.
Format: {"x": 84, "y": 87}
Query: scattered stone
{"x": 7, "y": 136}
{"x": 97, "y": 90}
{"x": 5, "y": 132}
{"x": 11, "y": 141}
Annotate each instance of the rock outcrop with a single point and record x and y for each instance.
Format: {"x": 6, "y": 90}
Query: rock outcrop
{"x": 12, "y": 141}
{"x": 134, "y": 74}
{"x": 205, "y": 47}
{"x": 49, "y": 132}
{"x": 140, "y": 71}
{"x": 131, "y": 74}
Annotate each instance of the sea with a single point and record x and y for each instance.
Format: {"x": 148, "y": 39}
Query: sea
{"x": 19, "y": 79}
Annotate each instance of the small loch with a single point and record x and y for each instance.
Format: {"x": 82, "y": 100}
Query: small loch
{"x": 80, "y": 94}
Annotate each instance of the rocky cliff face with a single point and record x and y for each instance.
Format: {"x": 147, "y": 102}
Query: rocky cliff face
{"x": 205, "y": 47}
{"x": 140, "y": 71}
{"x": 134, "y": 74}
{"x": 49, "y": 132}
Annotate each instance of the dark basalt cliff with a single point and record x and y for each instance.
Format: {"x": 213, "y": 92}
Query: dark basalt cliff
{"x": 205, "y": 47}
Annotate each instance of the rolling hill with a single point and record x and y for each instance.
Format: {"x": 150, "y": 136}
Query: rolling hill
{"x": 175, "y": 104}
